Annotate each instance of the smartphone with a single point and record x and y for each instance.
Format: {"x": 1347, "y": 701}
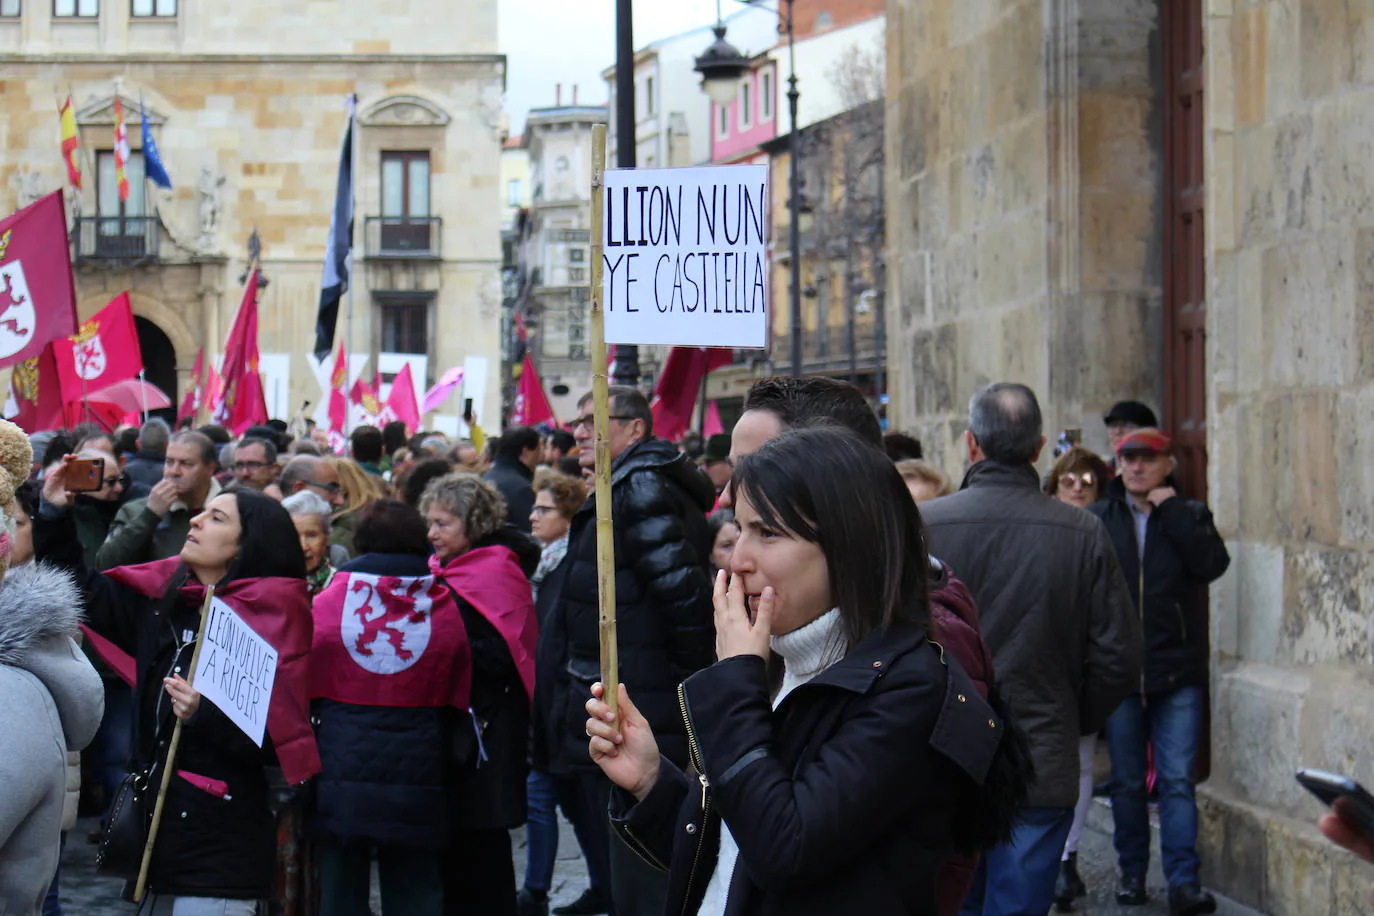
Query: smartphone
{"x": 467, "y": 411}
{"x": 85, "y": 475}
{"x": 1332, "y": 787}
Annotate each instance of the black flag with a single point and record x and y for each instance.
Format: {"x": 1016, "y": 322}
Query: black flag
{"x": 338, "y": 257}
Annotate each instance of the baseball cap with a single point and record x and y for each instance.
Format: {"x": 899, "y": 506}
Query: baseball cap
{"x": 1145, "y": 440}
{"x": 1131, "y": 412}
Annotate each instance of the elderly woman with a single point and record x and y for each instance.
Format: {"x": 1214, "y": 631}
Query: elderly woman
{"x": 310, "y": 514}
{"x": 557, "y": 497}
{"x": 1078, "y": 478}
{"x": 487, "y": 567}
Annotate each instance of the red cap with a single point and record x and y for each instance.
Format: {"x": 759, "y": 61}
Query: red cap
{"x": 1145, "y": 440}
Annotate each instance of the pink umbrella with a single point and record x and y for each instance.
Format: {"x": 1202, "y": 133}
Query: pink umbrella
{"x": 130, "y": 396}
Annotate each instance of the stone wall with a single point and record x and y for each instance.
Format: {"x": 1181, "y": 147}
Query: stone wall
{"x": 1023, "y": 174}
{"x": 1290, "y": 91}
{"x": 262, "y": 139}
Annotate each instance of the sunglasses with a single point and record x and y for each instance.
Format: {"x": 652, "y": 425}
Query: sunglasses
{"x": 1074, "y": 481}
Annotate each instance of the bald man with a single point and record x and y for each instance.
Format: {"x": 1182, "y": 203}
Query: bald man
{"x": 310, "y": 472}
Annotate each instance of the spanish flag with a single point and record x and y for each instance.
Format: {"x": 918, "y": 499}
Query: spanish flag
{"x": 67, "y": 114}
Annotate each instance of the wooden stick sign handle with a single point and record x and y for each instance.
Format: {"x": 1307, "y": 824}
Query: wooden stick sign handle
{"x": 170, "y": 764}
{"x": 605, "y": 533}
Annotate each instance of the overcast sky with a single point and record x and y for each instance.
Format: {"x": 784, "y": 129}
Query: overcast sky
{"x": 572, "y": 41}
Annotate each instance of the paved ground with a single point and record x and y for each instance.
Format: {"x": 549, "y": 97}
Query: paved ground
{"x": 86, "y": 894}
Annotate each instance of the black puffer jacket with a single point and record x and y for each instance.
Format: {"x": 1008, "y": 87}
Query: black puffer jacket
{"x": 1183, "y": 554}
{"x": 663, "y": 605}
{"x": 516, "y": 483}
{"x": 383, "y": 768}
{"x": 1054, "y": 610}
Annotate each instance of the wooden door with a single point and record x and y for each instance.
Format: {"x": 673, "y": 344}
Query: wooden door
{"x": 1185, "y": 262}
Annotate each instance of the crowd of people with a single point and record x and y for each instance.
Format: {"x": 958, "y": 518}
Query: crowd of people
{"x": 844, "y": 686}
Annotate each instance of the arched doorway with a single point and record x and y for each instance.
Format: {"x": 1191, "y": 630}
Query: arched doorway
{"x": 159, "y": 363}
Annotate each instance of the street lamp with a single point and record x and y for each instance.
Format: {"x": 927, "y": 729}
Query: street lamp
{"x": 721, "y": 67}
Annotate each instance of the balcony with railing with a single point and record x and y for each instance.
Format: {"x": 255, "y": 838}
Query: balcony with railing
{"x": 403, "y": 237}
{"x": 126, "y": 239}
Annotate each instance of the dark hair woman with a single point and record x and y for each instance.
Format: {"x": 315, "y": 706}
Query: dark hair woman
{"x": 487, "y": 564}
{"x": 386, "y": 714}
{"x": 217, "y": 840}
{"x": 852, "y": 796}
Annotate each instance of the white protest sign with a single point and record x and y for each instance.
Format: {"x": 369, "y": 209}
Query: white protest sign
{"x": 685, "y": 256}
{"x": 236, "y": 670}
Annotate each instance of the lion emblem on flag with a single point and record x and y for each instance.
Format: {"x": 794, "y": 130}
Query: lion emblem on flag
{"x": 17, "y": 316}
{"x": 89, "y": 353}
{"x": 386, "y": 621}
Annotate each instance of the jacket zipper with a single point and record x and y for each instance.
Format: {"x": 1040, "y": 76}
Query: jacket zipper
{"x": 695, "y": 752}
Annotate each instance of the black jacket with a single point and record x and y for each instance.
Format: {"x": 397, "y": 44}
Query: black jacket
{"x": 516, "y": 483}
{"x": 208, "y": 846}
{"x": 384, "y": 769}
{"x": 145, "y": 471}
{"x": 490, "y": 781}
{"x": 1183, "y": 554}
{"x": 845, "y": 800}
{"x": 1054, "y": 610}
{"x": 664, "y": 615}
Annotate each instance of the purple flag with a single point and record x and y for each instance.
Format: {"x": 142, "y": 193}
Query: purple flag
{"x": 436, "y": 395}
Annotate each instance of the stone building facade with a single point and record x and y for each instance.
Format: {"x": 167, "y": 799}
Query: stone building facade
{"x": 1166, "y": 200}
{"x": 247, "y": 102}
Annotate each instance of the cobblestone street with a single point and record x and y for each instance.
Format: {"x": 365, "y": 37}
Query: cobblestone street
{"x": 86, "y": 894}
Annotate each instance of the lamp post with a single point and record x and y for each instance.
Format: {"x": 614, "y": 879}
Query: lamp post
{"x": 721, "y": 66}
{"x": 626, "y": 368}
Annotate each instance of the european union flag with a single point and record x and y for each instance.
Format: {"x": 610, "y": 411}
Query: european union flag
{"x": 152, "y": 160}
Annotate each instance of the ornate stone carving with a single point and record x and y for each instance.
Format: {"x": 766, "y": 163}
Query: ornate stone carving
{"x": 100, "y": 113}
{"x": 404, "y": 111}
{"x": 27, "y": 185}
{"x": 210, "y": 186}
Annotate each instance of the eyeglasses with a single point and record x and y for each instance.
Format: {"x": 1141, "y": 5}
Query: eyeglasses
{"x": 1074, "y": 481}
{"x": 330, "y": 488}
{"x": 249, "y": 465}
{"x": 122, "y": 480}
{"x": 590, "y": 420}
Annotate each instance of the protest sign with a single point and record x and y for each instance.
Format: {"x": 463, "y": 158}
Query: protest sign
{"x": 236, "y": 670}
{"x": 684, "y": 256}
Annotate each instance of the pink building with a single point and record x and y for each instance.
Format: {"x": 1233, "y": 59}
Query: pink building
{"x": 752, "y": 119}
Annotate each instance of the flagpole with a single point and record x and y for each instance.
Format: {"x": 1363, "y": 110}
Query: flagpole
{"x": 352, "y": 234}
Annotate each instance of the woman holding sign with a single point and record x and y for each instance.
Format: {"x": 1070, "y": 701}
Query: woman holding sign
{"x": 216, "y": 843}
{"x": 846, "y": 784}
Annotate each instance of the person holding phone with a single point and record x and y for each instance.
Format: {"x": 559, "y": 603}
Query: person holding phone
{"x": 844, "y": 785}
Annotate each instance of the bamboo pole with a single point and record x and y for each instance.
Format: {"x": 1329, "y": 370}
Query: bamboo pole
{"x": 142, "y": 886}
{"x": 601, "y": 409}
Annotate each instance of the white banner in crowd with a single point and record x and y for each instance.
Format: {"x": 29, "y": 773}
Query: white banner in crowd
{"x": 236, "y": 671}
{"x": 686, "y": 256}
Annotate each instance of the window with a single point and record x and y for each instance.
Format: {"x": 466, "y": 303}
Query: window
{"x": 405, "y": 202}
{"x": 72, "y": 9}
{"x": 723, "y": 127}
{"x": 515, "y": 190}
{"x": 766, "y": 95}
{"x": 146, "y": 9}
{"x": 577, "y": 255}
{"x": 107, "y": 187}
{"x": 649, "y": 96}
{"x": 9, "y": 9}
{"x": 746, "y": 107}
{"x": 122, "y": 227}
{"x": 405, "y": 327}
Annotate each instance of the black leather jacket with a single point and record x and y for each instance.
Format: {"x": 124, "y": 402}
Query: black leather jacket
{"x": 664, "y": 614}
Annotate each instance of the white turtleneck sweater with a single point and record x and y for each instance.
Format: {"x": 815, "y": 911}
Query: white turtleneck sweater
{"x": 805, "y": 652}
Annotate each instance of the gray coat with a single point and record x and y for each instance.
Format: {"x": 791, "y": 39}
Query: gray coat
{"x": 51, "y": 701}
{"x": 1054, "y": 609}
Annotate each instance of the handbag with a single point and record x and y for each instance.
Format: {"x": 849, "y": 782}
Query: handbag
{"x": 126, "y": 833}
